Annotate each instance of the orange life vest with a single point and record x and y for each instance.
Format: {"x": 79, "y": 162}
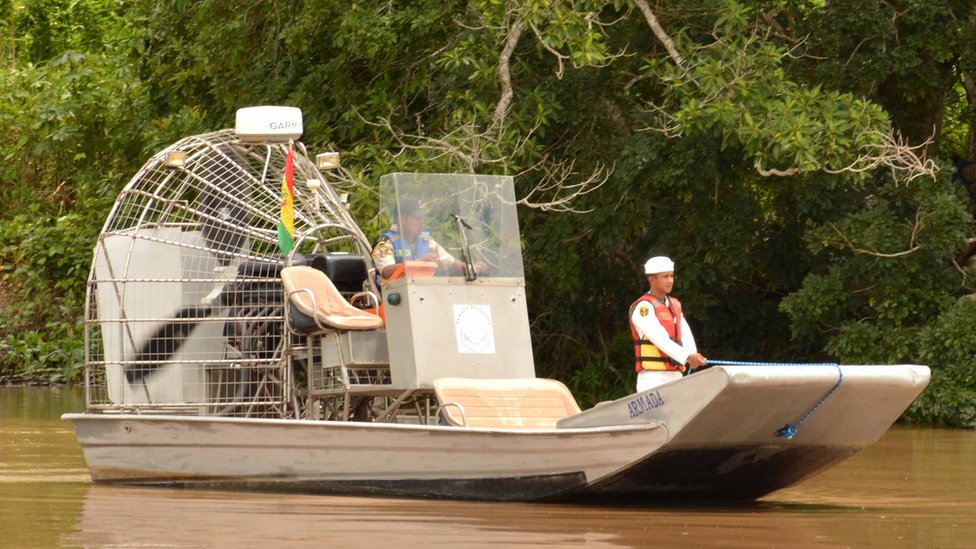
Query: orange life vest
{"x": 648, "y": 355}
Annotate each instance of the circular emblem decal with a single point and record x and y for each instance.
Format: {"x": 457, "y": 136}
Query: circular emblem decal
{"x": 475, "y": 333}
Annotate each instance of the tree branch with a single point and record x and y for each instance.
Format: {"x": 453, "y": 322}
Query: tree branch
{"x": 773, "y": 171}
{"x": 970, "y": 86}
{"x": 505, "y": 73}
{"x": 917, "y": 228}
{"x": 893, "y": 151}
{"x": 659, "y": 32}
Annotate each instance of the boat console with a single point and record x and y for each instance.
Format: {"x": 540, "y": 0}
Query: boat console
{"x": 467, "y": 318}
{"x": 462, "y": 316}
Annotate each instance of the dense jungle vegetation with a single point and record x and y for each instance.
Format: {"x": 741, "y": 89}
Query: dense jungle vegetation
{"x": 803, "y": 162}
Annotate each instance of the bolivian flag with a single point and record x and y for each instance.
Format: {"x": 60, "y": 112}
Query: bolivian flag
{"x": 286, "y": 225}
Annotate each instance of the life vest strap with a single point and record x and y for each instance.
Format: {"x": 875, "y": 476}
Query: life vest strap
{"x": 639, "y": 342}
{"x": 664, "y": 361}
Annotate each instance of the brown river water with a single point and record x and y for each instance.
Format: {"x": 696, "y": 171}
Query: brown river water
{"x": 914, "y": 488}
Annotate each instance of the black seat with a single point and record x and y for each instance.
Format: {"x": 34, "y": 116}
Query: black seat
{"x": 255, "y": 269}
{"x": 347, "y": 272}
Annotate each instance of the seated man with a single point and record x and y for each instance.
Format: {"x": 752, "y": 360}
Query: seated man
{"x": 410, "y": 242}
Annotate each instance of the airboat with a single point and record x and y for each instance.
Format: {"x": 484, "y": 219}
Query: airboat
{"x": 216, "y": 360}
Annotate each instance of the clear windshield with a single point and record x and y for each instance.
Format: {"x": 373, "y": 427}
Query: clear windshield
{"x": 471, "y": 219}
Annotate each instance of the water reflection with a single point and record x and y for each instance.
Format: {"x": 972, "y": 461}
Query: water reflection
{"x": 43, "y": 477}
{"x": 915, "y": 488}
{"x": 115, "y": 516}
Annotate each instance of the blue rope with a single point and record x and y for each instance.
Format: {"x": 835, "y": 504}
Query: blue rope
{"x": 739, "y": 363}
{"x": 788, "y": 431}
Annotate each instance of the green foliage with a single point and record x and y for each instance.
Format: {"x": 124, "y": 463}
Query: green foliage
{"x": 72, "y": 132}
{"x": 873, "y": 291}
{"x": 949, "y": 346}
{"x": 902, "y": 55}
{"x": 736, "y": 88}
{"x": 49, "y": 258}
{"x": 45, "y": 29}
{"x": 598, "y": 382}
{"x": 38, "y": 354}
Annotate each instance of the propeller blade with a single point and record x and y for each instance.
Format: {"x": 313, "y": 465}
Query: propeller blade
{"x": 223, "y": 215}
{"x": 166, "y": 341}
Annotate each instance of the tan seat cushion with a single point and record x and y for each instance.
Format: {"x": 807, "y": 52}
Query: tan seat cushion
{"x": 522, "y": 403}
{"x": 330, "y": 308}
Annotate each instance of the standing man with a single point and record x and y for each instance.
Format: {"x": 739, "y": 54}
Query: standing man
{"x": 663, "y": 344}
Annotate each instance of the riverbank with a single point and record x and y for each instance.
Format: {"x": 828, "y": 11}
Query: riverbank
{"x": 34, "y": 379}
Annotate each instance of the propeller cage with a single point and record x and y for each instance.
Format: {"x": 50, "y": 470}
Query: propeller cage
{"x": 184, "y": 304}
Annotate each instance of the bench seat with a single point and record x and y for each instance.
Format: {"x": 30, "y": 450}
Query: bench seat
{"x": 521, "y": 403}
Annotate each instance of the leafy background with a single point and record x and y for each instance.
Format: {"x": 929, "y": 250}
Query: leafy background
{"x": 866, "y": 266}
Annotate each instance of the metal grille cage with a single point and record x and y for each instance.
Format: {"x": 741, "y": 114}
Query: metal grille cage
{"x": 184, "y": 309}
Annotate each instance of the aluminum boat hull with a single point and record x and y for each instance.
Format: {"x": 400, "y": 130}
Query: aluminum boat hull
{"x": 709, "y": 436}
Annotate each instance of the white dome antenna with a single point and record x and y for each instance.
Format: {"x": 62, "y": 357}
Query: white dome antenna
{"x": 268, "y": 124}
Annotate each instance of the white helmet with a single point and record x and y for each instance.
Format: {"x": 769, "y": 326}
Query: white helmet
{"x": 658, "y": 264}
